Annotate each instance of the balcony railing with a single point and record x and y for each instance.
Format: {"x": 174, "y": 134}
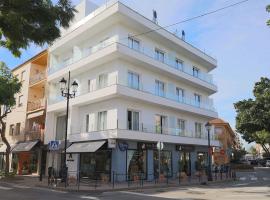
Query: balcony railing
{"x": 36, "y": 104}
{"x": 37, "y": 77}
{"x": 168, "y": 60}
{"x": 149, "y": 128}
{"x": 34, "y": 134}
{"x": 206, "y": 104}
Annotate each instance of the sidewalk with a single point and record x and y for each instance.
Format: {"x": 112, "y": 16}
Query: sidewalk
{"x": 33, "y": 181}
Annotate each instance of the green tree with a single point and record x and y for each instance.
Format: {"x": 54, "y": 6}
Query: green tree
{"x": 268, "y": 10}
{"x": 237, "y": 154}
{"x": 253, "y": 151}
{"x": 253, "y": 115}
{"x": 9, "y": 86}
{"x": 23, "y": 22}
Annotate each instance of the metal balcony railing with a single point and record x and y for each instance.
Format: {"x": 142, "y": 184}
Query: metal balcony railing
{"x": 36, "y": 105}
{"x": 34, "y": 134}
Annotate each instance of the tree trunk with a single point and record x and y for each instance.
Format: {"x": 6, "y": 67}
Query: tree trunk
{"x": 4, "y": 139}
{"x": 266, "y": 150}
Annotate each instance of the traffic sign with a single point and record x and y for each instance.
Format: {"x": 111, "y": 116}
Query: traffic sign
{"x": 54, "y": 145}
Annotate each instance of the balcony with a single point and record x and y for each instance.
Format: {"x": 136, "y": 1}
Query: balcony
{"x": 34, "y": 134}
{"x": 37, "y": 78}
{"x": 145, "y": 51}
{"x": 123, "y": 89}
{"x": 34, "y": 105}
{"x": 145, "y": 132}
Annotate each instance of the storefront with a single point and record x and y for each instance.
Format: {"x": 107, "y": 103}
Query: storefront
{"x": 185, "y": 159}
{"x": 25, "y": 158}
{"x": 93, "y": 158}
{"x": 202, "y": 158}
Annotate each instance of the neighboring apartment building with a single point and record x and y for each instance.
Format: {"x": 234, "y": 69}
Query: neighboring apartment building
{"x": 25, "y": 124}
{"x": 228, "y": 141}
{"x": 134, "y": 91}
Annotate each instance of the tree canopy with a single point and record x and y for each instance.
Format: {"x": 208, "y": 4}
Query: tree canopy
{"x": 253, "y": 115}
{"x": 9, "y": 86}
{"x": 268, "y": 10}
{"x": 23, "y": 22}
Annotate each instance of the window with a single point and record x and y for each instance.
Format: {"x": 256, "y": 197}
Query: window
{"x": 198, "y": 130}
{"x": 161, "y": 124}
{"x": 23, "y": 76}
{"x": 136, "y": 164}
{"x": 197, "y": 100}
{"x": 180, "y": 94}
{"x": 165, "y": 164}
{"x": 102, "y": 120}
{"x": 103, "y": 80}
{"x": 60, "y": 127}
{"x": 20, "y": 101}
{"x": 159, "y": 55}
{"x": 159, "y": 88}
{"x": 133, "y": 43}
{"x": 87, "y": 123}
{"x": 133, "y": 120}
{"x": 178, "y": 64}
{"x": 133, "y": 80}
{"x": 18, "y": 129}
{"x": 90, "y": 85}
{"x": 185, "y": 163}
{"x": 11, "y": 129}
{"x": 181, "y": 126}
{"x": 196, "y": 72}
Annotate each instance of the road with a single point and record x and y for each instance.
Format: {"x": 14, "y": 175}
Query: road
{"x": 255, "y": 185}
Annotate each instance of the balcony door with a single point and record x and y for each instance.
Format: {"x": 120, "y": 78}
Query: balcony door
{"x": 133, "y": 120}
{"x": 161, "y": 124}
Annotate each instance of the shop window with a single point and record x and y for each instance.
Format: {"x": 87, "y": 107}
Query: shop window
{"x": 201, "y": 162}
{"x": 96, "y": 165}
{"x": 133, "y": 120}
{"x": 136, "y": 164}
{"x": 165, "y": 164}
{"x": 185, "y": 163}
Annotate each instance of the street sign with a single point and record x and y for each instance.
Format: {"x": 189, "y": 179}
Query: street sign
{"x": 160, "y": 145}
{"x": 54, "y": 145}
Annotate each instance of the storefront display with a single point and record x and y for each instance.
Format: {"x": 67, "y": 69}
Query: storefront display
{"x": 185, "y": 163}
{"x": 201, "y": 161}
{"x": 96, "y": 165}
{"x": 136, "y": 164}
{"x": 165, "y": 163}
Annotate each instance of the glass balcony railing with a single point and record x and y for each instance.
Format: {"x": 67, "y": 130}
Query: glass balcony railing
{"x": 147, "y": 128}
{"x": 206, "y": 104}
{"x": 168, "y": 60}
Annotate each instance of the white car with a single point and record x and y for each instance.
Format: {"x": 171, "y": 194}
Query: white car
{"x": 267, "y": 164}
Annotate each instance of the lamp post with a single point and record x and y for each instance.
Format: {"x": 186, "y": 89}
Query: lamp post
{"x": 68, "y": 92}
{"x": 208, "y": 128}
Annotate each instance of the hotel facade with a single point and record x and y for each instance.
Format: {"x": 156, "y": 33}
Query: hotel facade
{"x": 137, "y": 88}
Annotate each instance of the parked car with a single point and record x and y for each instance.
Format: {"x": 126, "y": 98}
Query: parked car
{"x": 253, "y": 162}
{"x": 267, "y": 164}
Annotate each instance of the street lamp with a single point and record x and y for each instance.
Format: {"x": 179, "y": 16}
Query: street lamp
{"x": 68, "y": 92}
{"x": 208, "y": 128}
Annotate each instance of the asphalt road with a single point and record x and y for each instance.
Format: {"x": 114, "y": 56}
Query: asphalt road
{"x": 255, "y": 185}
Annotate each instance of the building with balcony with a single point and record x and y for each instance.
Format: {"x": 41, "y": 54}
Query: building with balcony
{"x": 26, "y": 123}
{"x": 135, "y": 90}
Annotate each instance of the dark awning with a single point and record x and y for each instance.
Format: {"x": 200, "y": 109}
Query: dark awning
{"x": 24, "y": 146}
{"x": 84, "y": 147}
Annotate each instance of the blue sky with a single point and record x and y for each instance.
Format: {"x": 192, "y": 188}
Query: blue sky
{"x": 238, "y": 37}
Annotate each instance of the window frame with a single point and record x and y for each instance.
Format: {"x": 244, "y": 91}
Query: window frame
{"x": 131, "y": 41}
{"x": 132, "y": 118}
{"x": 157, "y": 89}
{"x": 20, "y": 103}
{"x": 158, "y": 54}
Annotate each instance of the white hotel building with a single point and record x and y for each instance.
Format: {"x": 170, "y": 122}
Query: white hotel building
{"x": 134, "y": 91}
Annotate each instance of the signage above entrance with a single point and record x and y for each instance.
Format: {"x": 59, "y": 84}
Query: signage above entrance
{"x": 185, "y": 148}
{"x": 146, "y": 146}
{"x": 123, "y": 146}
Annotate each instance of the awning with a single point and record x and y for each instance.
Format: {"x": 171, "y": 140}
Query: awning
{"x": 84, "y": 147}
{"x": 35, "y": 114}
{"x": 24, "y": 146}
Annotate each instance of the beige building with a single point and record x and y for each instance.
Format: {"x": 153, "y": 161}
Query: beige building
{"x": 25, "y": 124}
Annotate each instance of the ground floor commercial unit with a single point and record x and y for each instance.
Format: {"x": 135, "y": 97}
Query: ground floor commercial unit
{"x": 126, "y": 159}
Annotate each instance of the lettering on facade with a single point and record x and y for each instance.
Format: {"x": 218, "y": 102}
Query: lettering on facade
{"x": 123, "y": 146}
{"x": 185, "y": 148}
{"x": 147, "y": 146}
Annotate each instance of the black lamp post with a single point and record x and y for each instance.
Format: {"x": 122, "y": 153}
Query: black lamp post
{"x": 208, "y": 128}
{"x": 68, "y": 92}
